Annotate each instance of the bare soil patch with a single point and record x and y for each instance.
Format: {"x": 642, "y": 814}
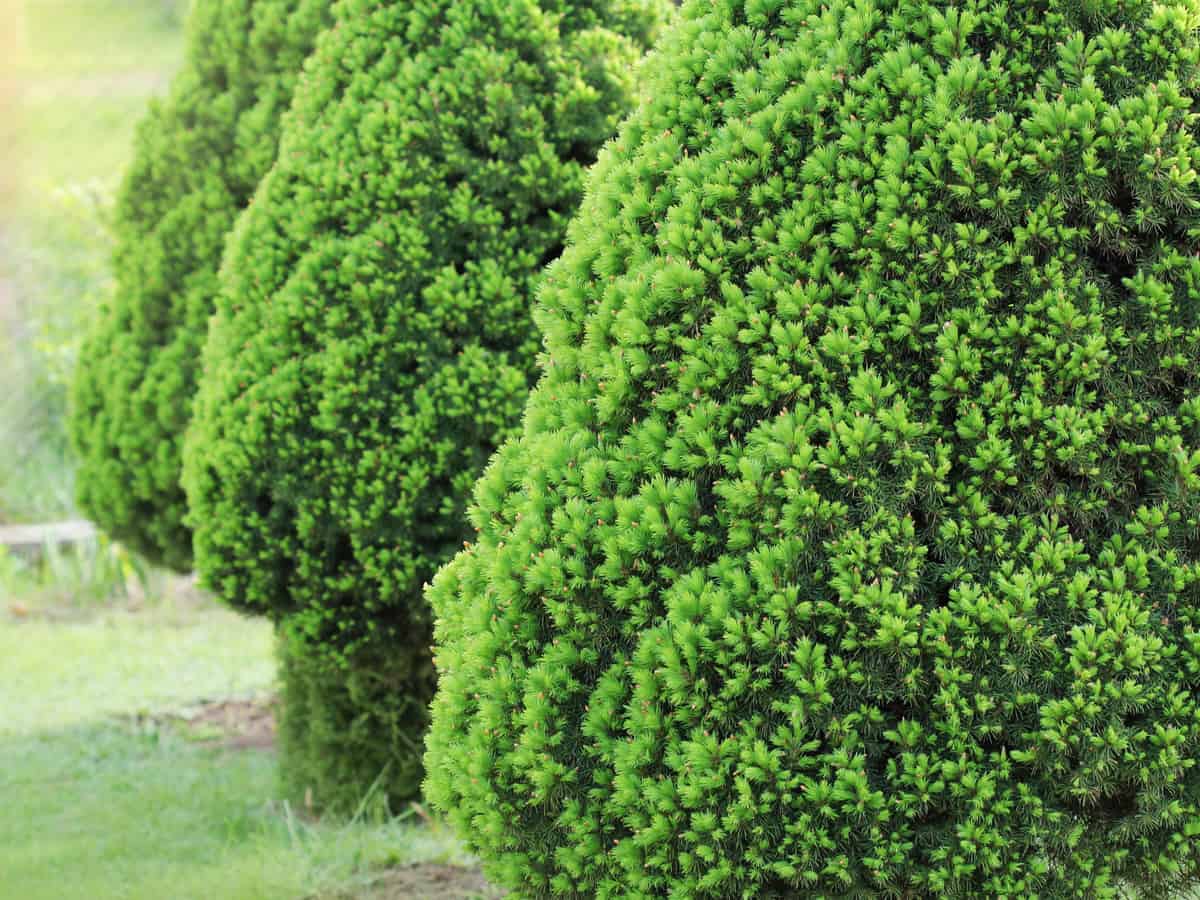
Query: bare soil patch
{"x": 426, "y": 881}
{"x": 231, "y": 724}
{"x": 238, "y": 724}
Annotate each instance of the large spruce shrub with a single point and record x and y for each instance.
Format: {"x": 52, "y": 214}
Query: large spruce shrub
{"x": 373, "y": 342}
{"x": 199, "y": 155}
{"x": 850, "y": 546}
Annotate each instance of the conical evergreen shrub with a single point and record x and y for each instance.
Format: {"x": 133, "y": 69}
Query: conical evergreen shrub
{"x": 373, "y": 341}
{"x": 850, "y": 546}
{"x": 349, "y": 735}
{"x": 199, "y": 155}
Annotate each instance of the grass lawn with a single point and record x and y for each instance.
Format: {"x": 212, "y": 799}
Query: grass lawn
{"x": 109, "y": 792}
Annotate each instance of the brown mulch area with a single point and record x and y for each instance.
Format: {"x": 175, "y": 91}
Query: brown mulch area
{"x": 237, "y": 724}
{"x": 425, "y": 881}
{"x": 230, "y": 724}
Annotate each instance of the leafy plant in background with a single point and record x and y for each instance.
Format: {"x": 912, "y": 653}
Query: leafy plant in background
{"x": 849, "y": 546}
{"x": 373, "y": 343}
{"x": 199, "y": 155}
{"x": 89, "y": 572}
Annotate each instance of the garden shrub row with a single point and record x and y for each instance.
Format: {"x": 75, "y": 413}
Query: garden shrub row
{"x": 367, "y": 340}
{"x": 198, "y": 157}
{"x": 372, "y": 342}
{"x": 846, "y": 543}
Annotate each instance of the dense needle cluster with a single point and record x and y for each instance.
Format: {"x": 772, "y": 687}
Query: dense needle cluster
{"x": 849, "y": 547}
{"x": 373, "y": 342}
{"x": 198, "y": 157}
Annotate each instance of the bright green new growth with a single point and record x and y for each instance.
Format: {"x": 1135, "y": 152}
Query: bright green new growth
{"x": 850, "y": 544}
{"x": 199, "y": 155}
{"x": 373, "y": 342}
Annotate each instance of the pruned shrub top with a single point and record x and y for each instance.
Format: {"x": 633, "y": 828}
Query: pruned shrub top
{"x": 373, "y": 341}
{"x": 849, "y": 547}
{"x": 198, "y": 157}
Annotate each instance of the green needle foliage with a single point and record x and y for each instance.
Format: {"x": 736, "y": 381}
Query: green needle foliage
{"x": 849, "y": 548}
{"x": 198, "y": 157}
{"x": 349, "y": 736}
{"x": 373, "y": 342}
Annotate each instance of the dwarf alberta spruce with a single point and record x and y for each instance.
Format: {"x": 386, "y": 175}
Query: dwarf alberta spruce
{"x": 373, "y": 341}
{"x": 849, "y": 547}
{"x": 199, "y": 154}
{"x": 349, "y": 736}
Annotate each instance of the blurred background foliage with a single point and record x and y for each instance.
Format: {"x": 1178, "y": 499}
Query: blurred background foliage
{"x": 75, "y": 77}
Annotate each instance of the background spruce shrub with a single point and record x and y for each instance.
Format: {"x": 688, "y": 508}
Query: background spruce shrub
{"x": 373, "y": 343}
{"x": 199, "y": 155}
{"x": 849, "y": 547}
{"x": 349, "y": 737}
